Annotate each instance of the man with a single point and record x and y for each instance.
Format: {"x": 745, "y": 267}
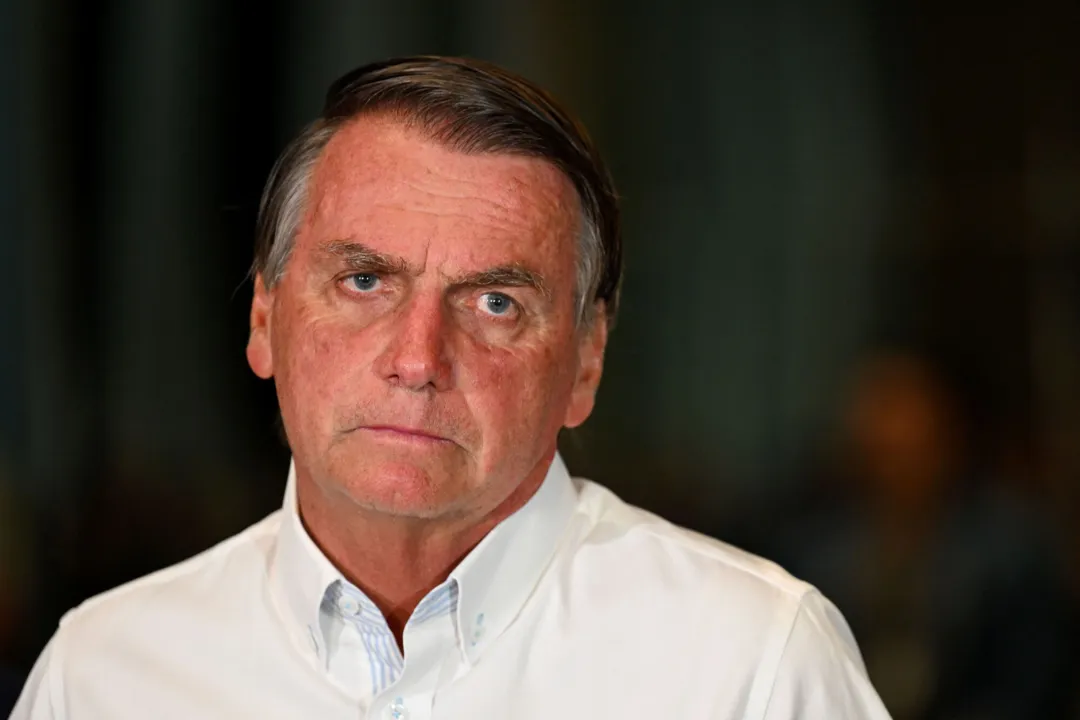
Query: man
{"x": 437, "y": 270}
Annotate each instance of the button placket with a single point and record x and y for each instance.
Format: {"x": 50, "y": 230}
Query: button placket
{"x": 431, "y": 644}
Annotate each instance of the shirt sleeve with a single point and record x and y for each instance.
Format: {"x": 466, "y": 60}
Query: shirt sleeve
{"x": 35, "y": 702}
{"x": 821, "y": 675}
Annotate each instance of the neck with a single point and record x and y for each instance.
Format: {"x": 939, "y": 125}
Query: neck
{"x": 396, "y": 560}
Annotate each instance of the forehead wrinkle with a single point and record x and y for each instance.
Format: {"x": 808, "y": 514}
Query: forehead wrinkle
{"x": 509, "y": 214}
{"x": 391, "y": 154}
{"x": 372, "y": 167}
{"x": 498, "y": 223}
{"x": 522, "y": 205}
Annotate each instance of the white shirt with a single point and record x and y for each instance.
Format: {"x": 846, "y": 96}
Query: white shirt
{"x": 577, "y": 606}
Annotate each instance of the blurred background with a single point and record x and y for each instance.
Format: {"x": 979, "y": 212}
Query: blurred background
{"x": 851, "y": 331}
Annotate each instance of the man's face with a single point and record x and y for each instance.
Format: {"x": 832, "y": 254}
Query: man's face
{"x": 423, "y": 338}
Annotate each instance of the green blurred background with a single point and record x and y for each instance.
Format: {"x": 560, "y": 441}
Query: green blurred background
{"x": 850, "y": 338}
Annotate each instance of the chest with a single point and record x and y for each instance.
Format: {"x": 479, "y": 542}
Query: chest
{"x": 608, "y": 672}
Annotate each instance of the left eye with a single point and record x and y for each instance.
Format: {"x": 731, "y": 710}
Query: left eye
{"x": 362, "y": 282}
{"x": 495, "y": 303}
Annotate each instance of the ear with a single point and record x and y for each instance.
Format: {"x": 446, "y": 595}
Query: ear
{"x": 591, "y": 347}
{"x": 259, "y": 354}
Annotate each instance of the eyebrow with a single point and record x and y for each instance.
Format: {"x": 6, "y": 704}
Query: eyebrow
{"x": 361, "y": 258}
{"x": 514, "y": 275}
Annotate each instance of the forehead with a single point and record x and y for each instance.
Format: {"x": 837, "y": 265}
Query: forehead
{"x": 378, "y": 176}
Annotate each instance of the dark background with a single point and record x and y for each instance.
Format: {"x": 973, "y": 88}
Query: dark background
{"x": 851, "y": 329}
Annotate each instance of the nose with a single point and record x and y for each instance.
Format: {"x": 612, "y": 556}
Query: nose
{"x": 414, "y": 356}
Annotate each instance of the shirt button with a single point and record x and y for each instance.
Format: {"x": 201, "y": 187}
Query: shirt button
{"x": 398, "y": 711}
{"x": 348, "y": 605}
{"x": 478, "y": 630}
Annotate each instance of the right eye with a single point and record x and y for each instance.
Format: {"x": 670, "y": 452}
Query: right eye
{"x": 362, "y": 282}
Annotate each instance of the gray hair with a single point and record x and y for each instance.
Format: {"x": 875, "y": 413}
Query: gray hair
{"x": 471, "y": 107}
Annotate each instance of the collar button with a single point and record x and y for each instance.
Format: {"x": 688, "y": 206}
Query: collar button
{"x": 397, "y": 710}
{"x": 348, "y": 606}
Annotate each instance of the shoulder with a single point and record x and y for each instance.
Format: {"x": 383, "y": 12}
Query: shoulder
{"x": 122, "y": 631}
{"x": 651, "y": 551}
{"x": 740, "y": 616}
{"x": 235, "y": 560}
{"x": 213, "y": 586}
{"x": 625, "y": 564}
{"x": 711, "y": 611}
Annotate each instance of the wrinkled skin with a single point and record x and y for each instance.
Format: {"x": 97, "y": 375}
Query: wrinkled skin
{"x": 411, "y": 384}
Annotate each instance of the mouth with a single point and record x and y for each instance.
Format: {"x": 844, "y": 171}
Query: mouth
{"x": 396, "y": 433}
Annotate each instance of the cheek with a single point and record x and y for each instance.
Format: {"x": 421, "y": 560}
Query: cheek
{"x": 320, "y": 358}
{"x": 516, "y": 392}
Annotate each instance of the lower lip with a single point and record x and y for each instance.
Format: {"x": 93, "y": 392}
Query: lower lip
{"x": 404, "y": 436}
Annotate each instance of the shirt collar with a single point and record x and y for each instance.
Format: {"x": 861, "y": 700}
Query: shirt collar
{"x": 494, "y": 580}
{"x": 300, "y": 574}
{"x": 499, "y": 575}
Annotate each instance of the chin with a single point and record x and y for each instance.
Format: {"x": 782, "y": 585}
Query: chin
{"x": 402, "y": 486}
